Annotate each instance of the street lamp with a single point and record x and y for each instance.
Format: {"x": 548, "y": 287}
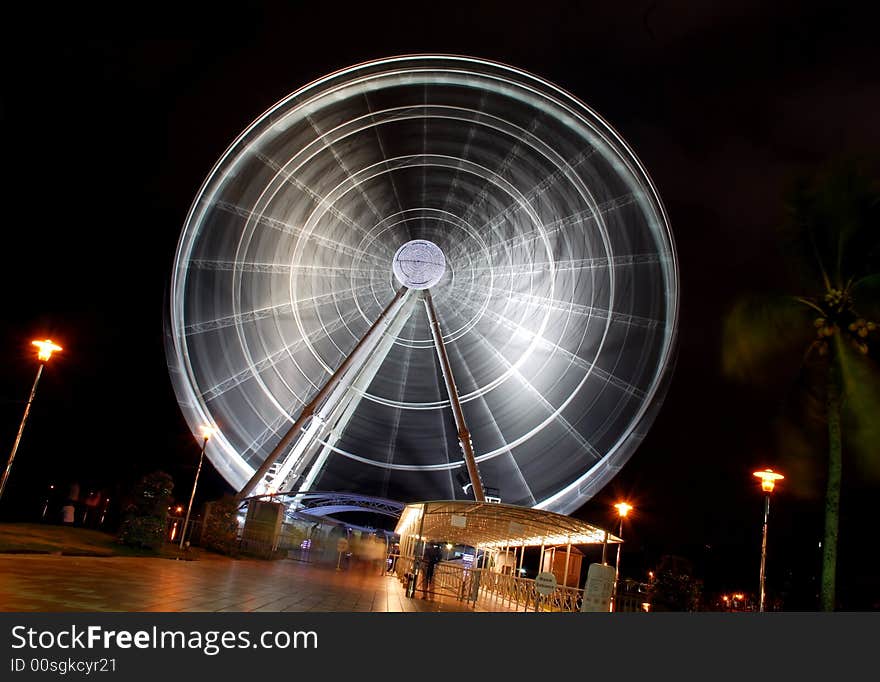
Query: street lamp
{"x": 207, "y": 432}
{"x": 622, "y": 510}
{"x": 46, "y": 505}
{"x": 768, "y": 482}
{"x": 46, "y": 349}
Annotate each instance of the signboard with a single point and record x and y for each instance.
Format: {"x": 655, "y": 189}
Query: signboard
{"x": 598, "y": 588}
{"x": 342, "y": 545}
{"x": 545, "y": 583}
{"x": 458, "y": 521}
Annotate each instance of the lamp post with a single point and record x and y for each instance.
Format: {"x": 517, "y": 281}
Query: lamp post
{"x": 207, "y": 432}
{"x": 46, "y": 504}
{"x": 622, "y": 510}
{"x": 768, "y": 482}
{"x": 46, "y": 349}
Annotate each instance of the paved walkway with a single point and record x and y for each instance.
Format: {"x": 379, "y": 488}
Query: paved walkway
{"x": 213, "y": 583}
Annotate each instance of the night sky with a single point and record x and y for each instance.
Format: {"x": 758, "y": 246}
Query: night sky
{"x": 106, "y": 144}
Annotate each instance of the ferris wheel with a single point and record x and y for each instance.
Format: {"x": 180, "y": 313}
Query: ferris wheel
{"x": 425, "y": 277}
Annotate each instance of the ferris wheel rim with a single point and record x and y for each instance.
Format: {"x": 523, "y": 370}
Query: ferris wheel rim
{"x": 629, "y": 157}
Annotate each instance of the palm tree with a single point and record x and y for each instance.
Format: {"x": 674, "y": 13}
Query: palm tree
{"x": 830, "y": 331}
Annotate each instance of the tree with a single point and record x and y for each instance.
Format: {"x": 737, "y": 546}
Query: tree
{"x": 220, "y": 532}
{"x": 146, "y": 510}
{"x": 673, "y": 586}
{"x": 829, "y": 329}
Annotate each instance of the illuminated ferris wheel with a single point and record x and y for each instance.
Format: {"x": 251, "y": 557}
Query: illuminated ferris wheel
{"x": 425, "y": 277}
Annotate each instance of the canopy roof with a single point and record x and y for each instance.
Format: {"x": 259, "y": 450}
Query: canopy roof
{"x": 491, "y": 525}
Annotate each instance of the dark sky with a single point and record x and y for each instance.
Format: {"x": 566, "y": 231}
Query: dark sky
{"x": 106, "y": 144}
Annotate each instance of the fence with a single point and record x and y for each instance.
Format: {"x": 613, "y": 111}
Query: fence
{"x": 489, "y": 588}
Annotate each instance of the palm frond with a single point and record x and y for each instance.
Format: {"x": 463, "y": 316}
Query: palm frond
{"x": 866, "y": 296}
{"x": 763, "y": 335}
{"x": 832, "y": 227}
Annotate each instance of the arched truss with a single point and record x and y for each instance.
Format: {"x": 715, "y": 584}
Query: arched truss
{"x": 325, "y": 503}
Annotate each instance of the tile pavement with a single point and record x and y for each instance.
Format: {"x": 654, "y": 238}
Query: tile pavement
{"x": 212, "y": 583}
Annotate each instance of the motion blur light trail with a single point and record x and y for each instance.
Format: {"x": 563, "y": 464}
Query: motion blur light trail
{"x": 557, "y": 296}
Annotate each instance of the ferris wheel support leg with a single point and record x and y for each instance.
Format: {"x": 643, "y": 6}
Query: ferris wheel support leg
{"x": 464, "y": 436}
{"x": 336, "y": 413}
{"x": 358, "y": 354}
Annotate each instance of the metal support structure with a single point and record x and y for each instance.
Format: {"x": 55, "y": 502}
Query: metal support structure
{"x": 614, "y": 600}
{"x": 604, "y": 547}
{"x": 764, "y": 551}
{"x": 354, "y": 361}
{"x": 567, "y": 560}
{"x": 464, "y": 436}
{"x": 336, "y": 412}
{"x": 192, "y": 495}
{"x": 27, "y": 410}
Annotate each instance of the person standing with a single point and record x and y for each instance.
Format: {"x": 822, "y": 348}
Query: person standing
{"x": 432, "y": 558}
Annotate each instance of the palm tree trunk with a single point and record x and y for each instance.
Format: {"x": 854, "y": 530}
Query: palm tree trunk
{"x": 832, "y": 491}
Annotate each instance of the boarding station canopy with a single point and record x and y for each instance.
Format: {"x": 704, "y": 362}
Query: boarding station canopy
{"x": 488, "y": 525}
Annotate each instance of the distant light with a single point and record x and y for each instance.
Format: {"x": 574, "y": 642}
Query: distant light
{"x": 768, "y": 479}
{"x": 46, "y": 349}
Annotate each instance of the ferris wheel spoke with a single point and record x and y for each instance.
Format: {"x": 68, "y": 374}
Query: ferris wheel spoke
{"x": 279, "y": 310}
{"x": 538, "y": 190}
{"x": 511, "y": 460}
{"x": 560, "y": 225}
{"x": 512, "y": 155}
{"x": 288, "y": 229}
{"x": 573, "y": 358}
{"x": 568, "y": 307}
{"x": 328, "y": 144}
{"x": 574, "y": 264}
{"x": 382, "y": 153}
{"x": 271, "y": 360}
{"x": 552, "y": 411}
{"x": 281, "y": 268}
{"x": 238, "y": 319}
{"x": 465, "y": 152}
{"x": 269, "y": 431}
{"x": 317, "y": 198}
{"x": 443, "y": 439}
{"x": 398, "y": 414}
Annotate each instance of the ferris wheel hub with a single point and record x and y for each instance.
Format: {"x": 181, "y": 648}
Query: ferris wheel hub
{"x": 419, "y": 264}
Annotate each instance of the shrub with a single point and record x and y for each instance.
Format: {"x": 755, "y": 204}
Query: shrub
{"x": 145, "y": 512}
{"x": 220, "y": 530}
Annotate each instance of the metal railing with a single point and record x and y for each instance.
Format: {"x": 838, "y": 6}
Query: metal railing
{"x": 487, "y": 587}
